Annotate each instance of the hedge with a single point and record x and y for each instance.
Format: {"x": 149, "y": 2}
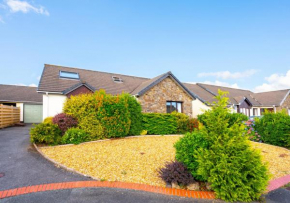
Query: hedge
{"x": 159, "y": 123}
{"x": 274, "y": 128}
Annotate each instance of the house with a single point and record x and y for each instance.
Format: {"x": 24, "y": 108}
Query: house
{"x": 243, "y": 101}
{"x": 162, "y": 94}
{"x": 27, "y": 98}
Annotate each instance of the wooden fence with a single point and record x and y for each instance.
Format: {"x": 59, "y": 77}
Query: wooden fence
{"x": 9, "y": 115}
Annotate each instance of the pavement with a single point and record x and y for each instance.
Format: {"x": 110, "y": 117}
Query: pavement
{"x": 23, "y": 166}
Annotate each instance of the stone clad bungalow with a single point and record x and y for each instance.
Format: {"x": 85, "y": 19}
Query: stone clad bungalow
{"x": 162, "y": 94}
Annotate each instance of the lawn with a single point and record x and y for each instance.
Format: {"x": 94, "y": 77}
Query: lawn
{"x": 138, "y": 159}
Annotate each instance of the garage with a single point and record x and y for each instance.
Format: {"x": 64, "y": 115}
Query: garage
{"x": 32, "y": 113}
{"x": 24, "y": 97}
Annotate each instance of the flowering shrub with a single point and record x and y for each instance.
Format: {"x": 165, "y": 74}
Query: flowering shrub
{"x": 176, "y": 172}
{"x": 64, "y": 121}
{"x": 251, "y": 132}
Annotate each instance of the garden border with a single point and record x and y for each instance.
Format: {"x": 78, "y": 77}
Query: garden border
{"x": 274, "y": 184}
{"x": 106, "y": 184}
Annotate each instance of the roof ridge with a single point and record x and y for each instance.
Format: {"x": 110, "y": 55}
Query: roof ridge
{"x": 255, "y": 99}
{"x": 19, "y": 85}
{"x": 271, "y": 91}
{"x": 200, "y": 85}
{"x": 94, "y": 70}
{"x": 224, "y": 86}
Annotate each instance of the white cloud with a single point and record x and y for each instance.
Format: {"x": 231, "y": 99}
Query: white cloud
{"x": 32, "y": 85}
{"x": 25, "y": 7}
{"x": 228, "y": 74}
{"x": 275, "y": 82}
{"x": 220, "y": 83}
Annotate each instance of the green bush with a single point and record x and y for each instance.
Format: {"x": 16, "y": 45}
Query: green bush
{"x": 274, "y": 128}
{"x": 92, "y": 127}
{"x": 45, "y": 133}
{"x": 185, "y": 123}
{"x": 159, "y": 123}
{"x": 234, "y": 170}
{"x": 231, "y": 118}
{"x": 48, "y": 120}
{"x": 113, "y": 113}
{"x": 80, "y": 106}
{"x": 75, "y": 136}
{"x": 187, "y": 149}
{"x": 135, "y": 111}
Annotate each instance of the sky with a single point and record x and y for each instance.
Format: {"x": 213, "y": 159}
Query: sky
{"x": 242, "y": 44}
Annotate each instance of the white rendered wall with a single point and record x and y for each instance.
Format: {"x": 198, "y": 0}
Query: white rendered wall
{"x": 52, "y": 104}
{"x": 198, "y": 107}
{"x": 21, "y": 110}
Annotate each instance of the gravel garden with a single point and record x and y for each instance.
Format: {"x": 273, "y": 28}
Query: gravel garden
{"x": 138, "y": 159}
{"x": 98, "y": 135}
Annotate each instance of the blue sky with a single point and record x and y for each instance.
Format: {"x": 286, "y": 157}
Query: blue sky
{"x": 242, "y": 43}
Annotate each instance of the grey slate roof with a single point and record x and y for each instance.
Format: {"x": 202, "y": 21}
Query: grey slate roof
{"x": 95, "y": 80}
{"x": 271, "y": 98}
{"x": 50, "y": 81}
{"x": 15, "y": 93}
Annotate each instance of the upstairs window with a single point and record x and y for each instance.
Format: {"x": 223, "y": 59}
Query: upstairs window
{"x": 70, "y": 75}
{"x": 117, "y": 79}
{"x": 173, "y": 106}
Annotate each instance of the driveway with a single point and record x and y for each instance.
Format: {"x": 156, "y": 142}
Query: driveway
{"x": 23, "y": 166}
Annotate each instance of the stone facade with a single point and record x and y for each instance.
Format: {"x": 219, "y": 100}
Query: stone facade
{"x": 285, "y": 105}
{"x": 154, "y": 100}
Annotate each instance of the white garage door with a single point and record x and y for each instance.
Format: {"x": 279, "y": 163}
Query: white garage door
{"x": 32, "y": 113}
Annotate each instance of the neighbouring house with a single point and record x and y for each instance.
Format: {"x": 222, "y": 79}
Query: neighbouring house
{"x": 242, "y": 101}
{"x": 162, "y": 94}
{"x": 27, "y": 98}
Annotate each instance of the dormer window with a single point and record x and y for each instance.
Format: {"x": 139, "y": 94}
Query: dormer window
{"x": 117, "y": 79}
{"x": 69, "y": 75}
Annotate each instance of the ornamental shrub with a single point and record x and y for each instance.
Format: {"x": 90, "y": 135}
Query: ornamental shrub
{"x": 48, "y": 120}
{"x": 135, "y": 111}
{"x": 80, "y": 106}
{"x": 185, "y": 123}
{"x": 45, "y": 133}
{"x": 251, "y": 132}
{"x": 92, "y": 127}
{"x": 274, "y": 128}
{"x": 113, "y": 113}
{"x": 75, "y": 136}
{"x": 176, "y": 172}
{"x": 234, "y": 170}
{"x": 159, "y": 123}
{"x": 187, "y": 149}
{"x": 231, "y": 118}
{"x": 64, "y": 121}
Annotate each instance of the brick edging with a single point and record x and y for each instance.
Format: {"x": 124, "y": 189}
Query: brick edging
{"x": 106, "y": 184}
{"x": 277, "y": 183}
